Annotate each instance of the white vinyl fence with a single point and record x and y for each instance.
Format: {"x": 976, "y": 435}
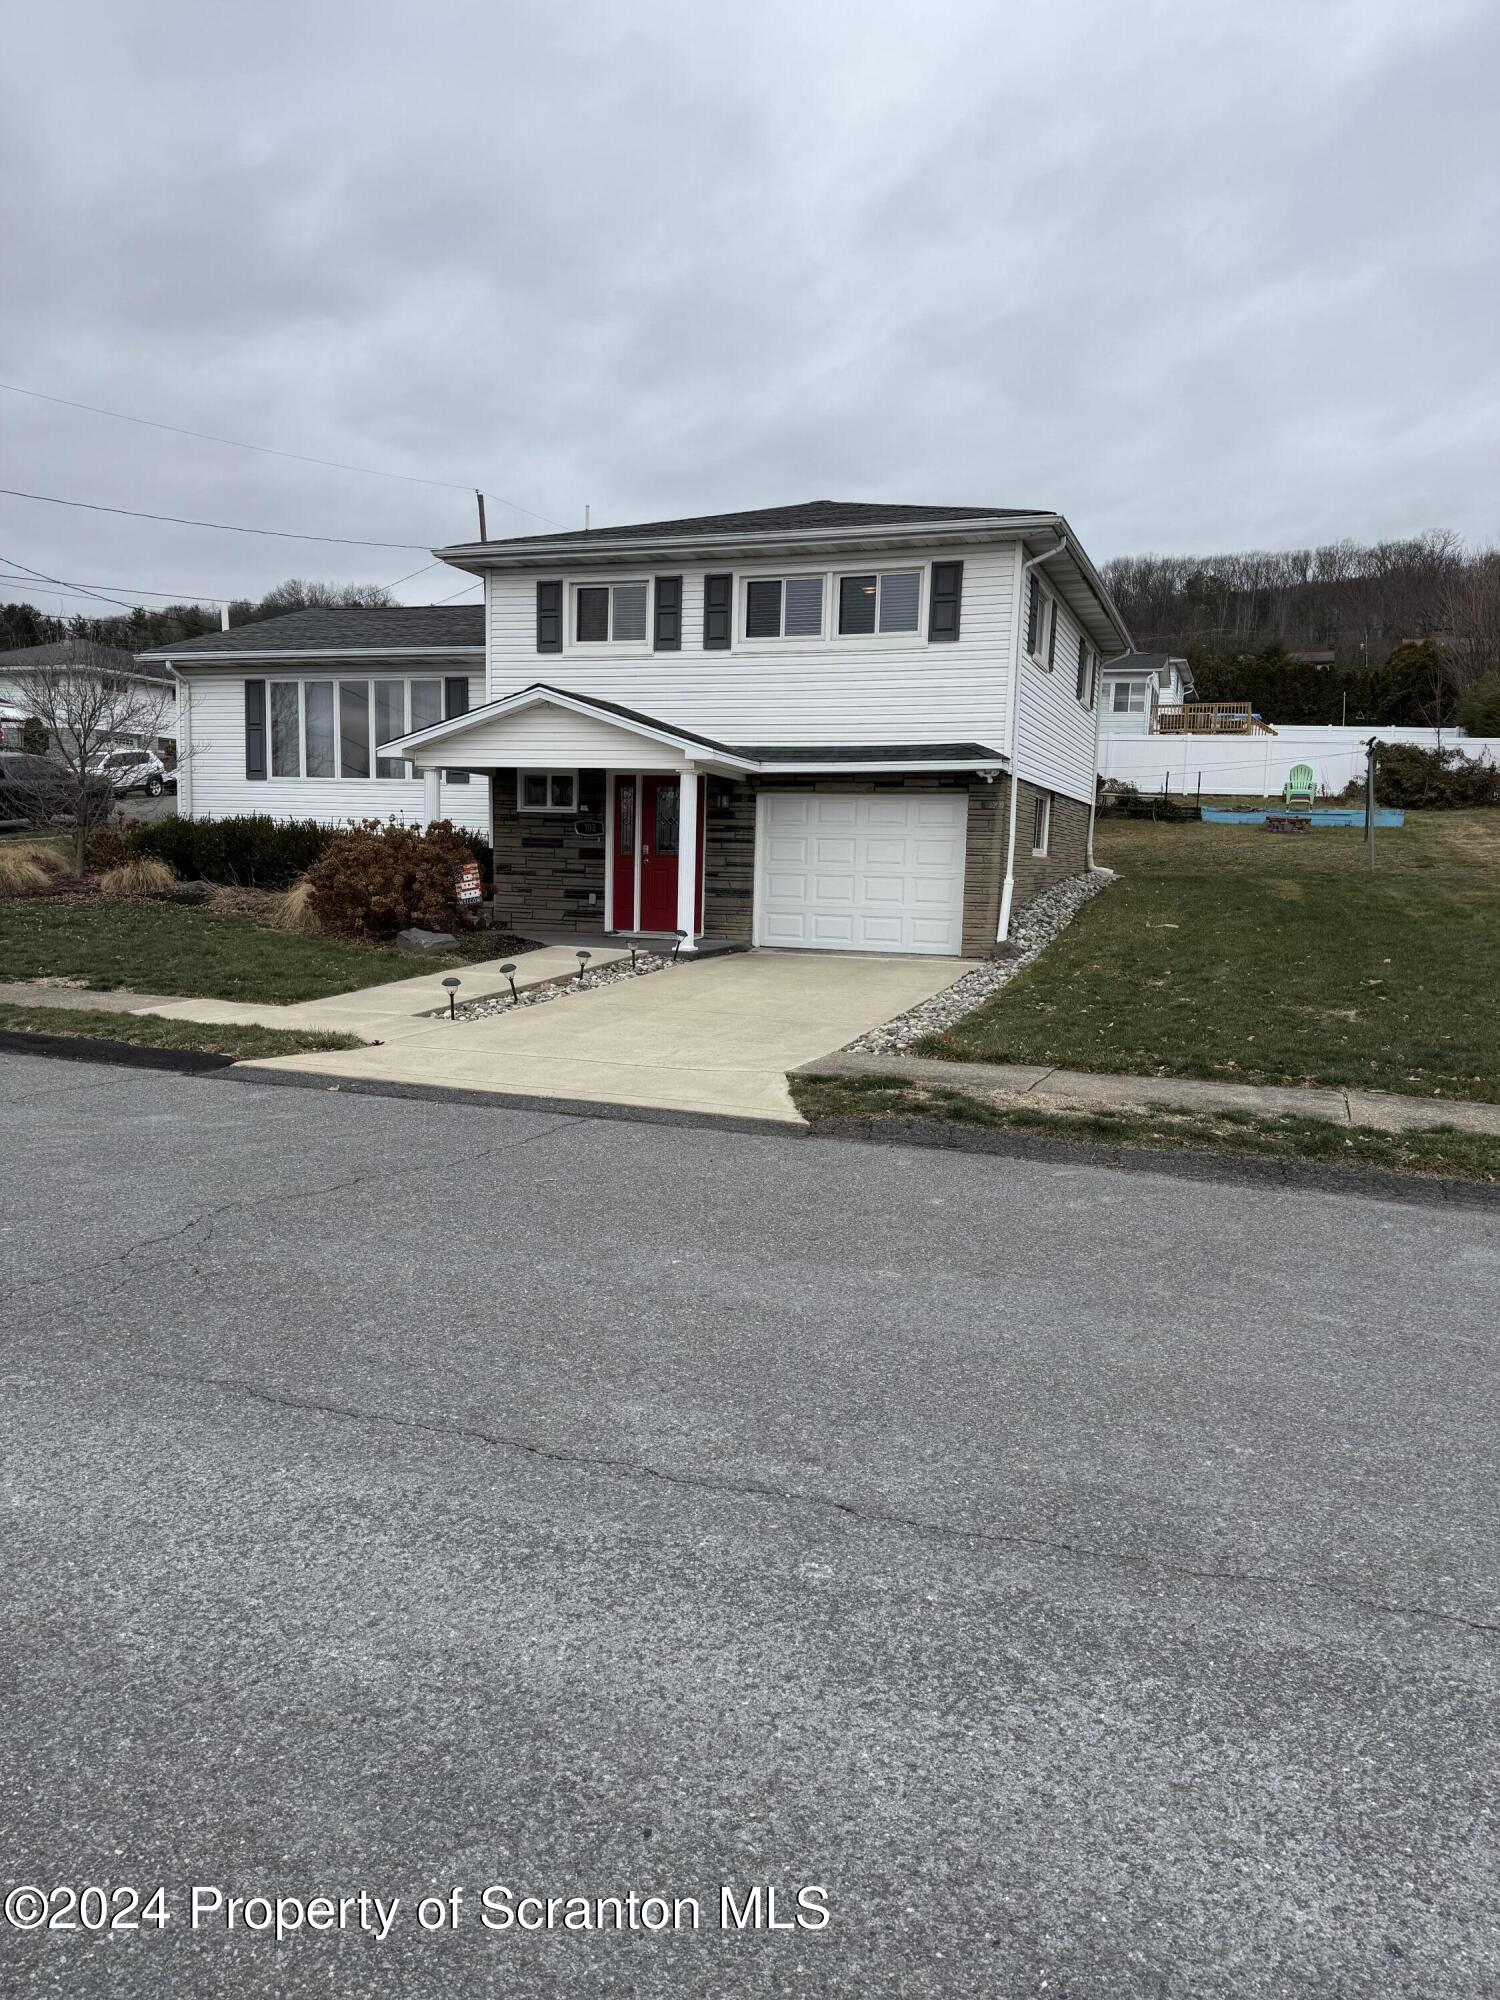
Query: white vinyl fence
{"x": 1259, "y": 766}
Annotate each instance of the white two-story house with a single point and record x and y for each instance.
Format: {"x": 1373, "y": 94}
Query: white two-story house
{"x": 833, "y": 726}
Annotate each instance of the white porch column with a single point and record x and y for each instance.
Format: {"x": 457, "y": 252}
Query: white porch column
{"x": 687, "y": 856}
{"x": 432, "y": 795}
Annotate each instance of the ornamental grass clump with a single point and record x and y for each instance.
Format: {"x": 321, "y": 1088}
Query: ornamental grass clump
{"x": 142, "y": 876}
{"x": 376, "y": 880}
{"x": 27, "y": 870}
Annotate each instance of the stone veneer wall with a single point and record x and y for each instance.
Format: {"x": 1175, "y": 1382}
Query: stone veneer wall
{"x": 545, "y": 869}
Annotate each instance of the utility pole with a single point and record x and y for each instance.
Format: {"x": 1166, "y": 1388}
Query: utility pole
{"x": 1370, "y": 799}
{"x": 483, "y": 535}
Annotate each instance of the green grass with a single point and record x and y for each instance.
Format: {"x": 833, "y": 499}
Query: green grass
{"x": 1232, "y": 953}
{"x": 151, "y": 1031}
{"x": 1460, "y": 1155}
{"x": 179, "y": 948}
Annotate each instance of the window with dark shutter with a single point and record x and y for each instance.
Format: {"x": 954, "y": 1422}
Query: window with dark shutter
{"x": 549, "y": 617}
{"x": 946, "y": 601}
{"x": 718, "y": 612}
{"x": 667, "y": 632}
{"x": 456, "y": 690}
{"x": 255, "y": 729}
{"x": 1082, "y": 688}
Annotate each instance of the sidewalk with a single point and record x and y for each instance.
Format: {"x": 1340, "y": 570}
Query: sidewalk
{"x": 1082, "y": 1090}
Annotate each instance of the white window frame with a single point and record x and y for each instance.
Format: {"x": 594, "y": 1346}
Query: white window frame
{"x": 573, "y": 644}
{"x": 332, "y": 678}
{"x": 922, "y": 573}
{"x": 1131, "y": 705}
{"x": 1046, "y": 621}
{"x": 569, "y": 811}
{"x": 1041, "y": 825}
{"x": 1088, "y": 674}
{"x": 743, "y": 582}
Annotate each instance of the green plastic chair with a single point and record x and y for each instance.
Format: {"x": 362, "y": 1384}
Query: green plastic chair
{"x": 1301, "y": 787}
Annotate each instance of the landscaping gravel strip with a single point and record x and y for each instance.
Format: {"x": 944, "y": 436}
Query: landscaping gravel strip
{"x": 561, "y": 989}
{"x": 1033, "y": 930}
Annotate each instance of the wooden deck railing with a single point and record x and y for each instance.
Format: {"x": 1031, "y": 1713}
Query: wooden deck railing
{"x": 1209, "y": 718}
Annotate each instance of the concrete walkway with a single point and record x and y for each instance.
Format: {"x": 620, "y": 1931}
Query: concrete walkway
{"x": 716, "y": 1037}
{"x": 1082, "y": 1090}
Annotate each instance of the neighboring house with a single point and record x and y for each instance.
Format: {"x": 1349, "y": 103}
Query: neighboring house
{"x": 143, "y": 700}
{"x": 1136, "y": 685}
{"x": 864, "y": 727}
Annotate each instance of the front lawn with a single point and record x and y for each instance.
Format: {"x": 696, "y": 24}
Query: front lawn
{"x": 1233, "y": 953}
{"x": 186, "y": 949}
{"x": 151, "y": 1031}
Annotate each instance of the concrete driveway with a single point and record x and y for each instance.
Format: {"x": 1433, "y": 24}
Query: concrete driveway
{"x": 714, "y": 1037}
{"x": 1092, "y": 1580}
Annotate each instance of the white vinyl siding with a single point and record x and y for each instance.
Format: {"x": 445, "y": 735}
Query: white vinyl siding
{"x": 214, "y": 724}
{"x": 1056, "y": 749}
{"x": 899, "y": 689}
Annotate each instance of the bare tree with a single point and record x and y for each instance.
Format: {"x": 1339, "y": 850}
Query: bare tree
{"x": 1470, "y": 639}
{"x": 86, "y": 707}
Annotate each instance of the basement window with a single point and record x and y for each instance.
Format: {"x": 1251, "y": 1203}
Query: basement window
{"x": 547, "y": 791}
{"x": 1041, "y": 823}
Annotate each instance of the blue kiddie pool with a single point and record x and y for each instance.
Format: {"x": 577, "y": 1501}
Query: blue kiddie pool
{"x": 1319, "y": 816}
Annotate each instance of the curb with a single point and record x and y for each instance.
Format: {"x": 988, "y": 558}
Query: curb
{"x": 1232, "y": 1168}
{"x": 499, "y": 1100}
{"x": 127, "y": 1055}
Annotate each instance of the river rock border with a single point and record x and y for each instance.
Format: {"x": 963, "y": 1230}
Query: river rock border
{"x": 1043, "y": 919}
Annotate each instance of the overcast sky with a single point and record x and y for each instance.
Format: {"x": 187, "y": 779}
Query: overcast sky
{"x": 1202, "y": 276}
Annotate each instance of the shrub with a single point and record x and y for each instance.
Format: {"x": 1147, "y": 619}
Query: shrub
{"x": 1479, "y": 711}
{"x": 106, "y": 847}
{"x": 245, "y": 851}
{"x": 376, "y": 880}
{"x": 1442, "y": 780}
{"x": 142, "y": 875}
{"x": 28, "y": 869}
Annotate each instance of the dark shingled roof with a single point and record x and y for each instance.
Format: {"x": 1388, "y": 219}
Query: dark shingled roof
{"x": 871, "y": 753}
{"x": 327, "y": 628}
{"x": 68, "y": 653}
{"x": 807, "y": 514}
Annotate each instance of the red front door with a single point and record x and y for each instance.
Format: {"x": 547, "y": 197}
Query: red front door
{"x": 659, "y": 804}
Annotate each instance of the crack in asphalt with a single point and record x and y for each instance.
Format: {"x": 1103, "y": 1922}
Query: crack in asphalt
{"x": 206, "y": 1220}
{"x": 639, "y": 1470}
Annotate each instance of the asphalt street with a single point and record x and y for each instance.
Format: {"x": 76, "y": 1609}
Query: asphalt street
{"x": 1087, "y": 1579}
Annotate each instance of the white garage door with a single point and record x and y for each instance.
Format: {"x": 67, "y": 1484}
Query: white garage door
{"x": 861, "y": 871}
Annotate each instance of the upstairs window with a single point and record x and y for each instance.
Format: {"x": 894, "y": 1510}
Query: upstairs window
{"x": 1128, "y": 698}
{"x": 606, "y": 614}
{"x": 888, "y": 601}
{"x": 1041, "y": 626}
{"x": 784, "y": 607}
{"x": 1085, "y": 684}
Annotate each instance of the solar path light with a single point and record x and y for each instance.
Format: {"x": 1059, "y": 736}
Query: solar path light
{"x": 452, "y": 985}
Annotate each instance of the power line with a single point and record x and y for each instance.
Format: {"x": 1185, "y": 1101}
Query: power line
{"x": 223, "y": 527}
{"x": 136, "y": 589}
{"x": 270, "y": 451}
{"x": 460, "y": 593}
{"x": 73, "y": 589}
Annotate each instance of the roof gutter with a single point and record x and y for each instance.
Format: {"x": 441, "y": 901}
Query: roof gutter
{"x": 602, "y": 546}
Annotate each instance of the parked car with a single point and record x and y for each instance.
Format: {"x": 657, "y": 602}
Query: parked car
{"x": 135, "y": 771}
{"x": 39, "y": 791}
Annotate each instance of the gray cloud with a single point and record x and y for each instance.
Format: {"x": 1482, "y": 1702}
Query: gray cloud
{"x": 1203, "y": 280}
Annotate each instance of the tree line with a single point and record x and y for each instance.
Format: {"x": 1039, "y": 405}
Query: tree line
{"x": 141, "y": 631}
{"x": 1413, "y": 627}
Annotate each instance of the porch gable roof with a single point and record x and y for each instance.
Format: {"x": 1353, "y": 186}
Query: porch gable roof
{"x": 689, "y": 744}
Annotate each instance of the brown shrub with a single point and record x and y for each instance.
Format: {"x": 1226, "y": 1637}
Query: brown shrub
{"x": 377, "y": 880}
{"x": 105, "y": 848}
{"x": 143, "y": 876}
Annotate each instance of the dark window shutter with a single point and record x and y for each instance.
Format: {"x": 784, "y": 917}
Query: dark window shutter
{"x": 549, "y": 617}
{"x": 718, "y": 612}
{"x": 255, "y": 729}
{"x": 668, "y": 633}
{"x": 1052, "y": 636}
{"x": 1033, "y": 612}
{"x": 945, "y": 601}
{"x": 456, "y": 702}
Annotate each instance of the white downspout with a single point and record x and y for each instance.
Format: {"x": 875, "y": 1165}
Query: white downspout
{"x": 1098, "y": 694}
{"x": 1018, "y": 628}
